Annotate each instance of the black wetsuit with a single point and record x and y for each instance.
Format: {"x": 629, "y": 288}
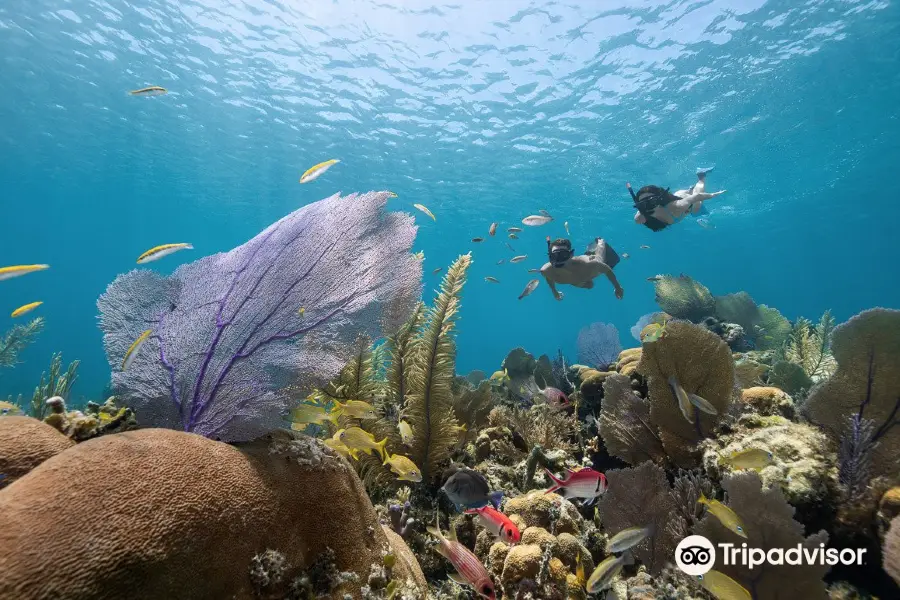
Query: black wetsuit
{"x": 647, "y": 199}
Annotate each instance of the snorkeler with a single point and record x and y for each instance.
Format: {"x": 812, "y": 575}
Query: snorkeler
{"x": 657, "y": 207}
{"x": 580, "y": 271}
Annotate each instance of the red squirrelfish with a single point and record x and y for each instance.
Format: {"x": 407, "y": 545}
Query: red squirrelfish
{"x": 497, "y": 523}
{"x": 469, "y": 569}
{"x": 586, "y": 483}
{"x": 555, "y": 398}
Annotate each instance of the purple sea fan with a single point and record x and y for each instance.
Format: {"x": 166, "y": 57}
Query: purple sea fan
{"x": 598, "y": 345}
{"x": 228, "y": 329}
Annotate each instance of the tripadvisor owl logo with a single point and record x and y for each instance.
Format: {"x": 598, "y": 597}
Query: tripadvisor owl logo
{"x": 696, "y": 555}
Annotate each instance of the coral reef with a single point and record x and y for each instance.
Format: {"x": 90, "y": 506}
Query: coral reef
{"x": 640, "y": 497}
{"x": 227, "y": 330}
{"x": 803, "y": 463}
{"x": 810, "y": 347}
{"x": 25, "y": 443}
{"x": 16, "y": 339}
{"x": 768, "y": 523}
{"x": 171, "y": 501}
{"x": 95, "y": 421}
{"x": 598, "y": 345}
{"x": 768, "y": 401}
{"x": 684, "y": 298}
{"x": 702, "y": 363}
{"x": 625, "y": 425}
{"x": 866, "y": 383}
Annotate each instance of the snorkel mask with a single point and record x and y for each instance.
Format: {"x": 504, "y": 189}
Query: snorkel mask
{"x": 559, "y": 251}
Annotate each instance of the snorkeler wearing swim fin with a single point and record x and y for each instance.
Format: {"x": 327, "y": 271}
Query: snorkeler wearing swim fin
{"x": 657, "y": 207}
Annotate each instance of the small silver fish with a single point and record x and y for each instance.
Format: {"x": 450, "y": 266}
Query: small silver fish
{"x": 628, "y": 538}
{"x": 501, "y": 261}
{"x": 626, "y": 255}
{"x": 536, "y": 221}
{"x": 532, "y": 285}
{"x": 705, "y": 224}
{"x": 490, "y": 279}
{"x": 438, "y": 270}
{"x": 513, "y": 236}
{"x": 606, "y": 571}
{"x": 645, "y": 247}
{"x": 518, "y": 259}
{"x": 566, "y": 225}
{"x": 514, "y": 229}
{"x": 476, "y": 240}
{"x": 534, "y": 270}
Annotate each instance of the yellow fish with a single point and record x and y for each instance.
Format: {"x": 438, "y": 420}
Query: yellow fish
{"x": 356, "y": 409}
{"x": 338, "y": 447}
{"x": 406, "y": 432}
{"x": 301, "y": 311}
{"x": 358, "y": 440}
{"x": 500, "y": 376}
{"x": 405, "y": 468}
{"x": 305, "y": 414}
{"x": 420, "y": 255}
{"x": 19, "y": 270}
{"x": 579, "y": 571}
{"x": 606, "y": 571}
{"x": 425, "y": 210}
{"x": 134, "y": 348}
{"x": 8, "y": 408}
{"x": 391, "y": 195}
{"x": 752, "y": 458}
{"x": 723, "y": 587}
{"x": 725, "y": 515}
{"x": 153, "y": 90}
{"x": 158, "y": 252}
{"x": 22, "y": 310}
{"x": 315, "y": 171}
{"x": 653, "y": 332}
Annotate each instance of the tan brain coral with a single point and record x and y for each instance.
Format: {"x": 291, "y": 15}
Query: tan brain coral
{"x": 25, "y": 443}
{"x": 182, "y": 516}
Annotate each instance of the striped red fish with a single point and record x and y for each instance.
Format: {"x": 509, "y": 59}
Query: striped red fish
{"x": 469, "y": 569}
{"x": 497, "y": 523}
{"x": 586, "y": 483}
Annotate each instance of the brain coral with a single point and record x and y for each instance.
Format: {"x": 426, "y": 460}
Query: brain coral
{"x": 176, "y": 515}
{"x": 25, "y": 443}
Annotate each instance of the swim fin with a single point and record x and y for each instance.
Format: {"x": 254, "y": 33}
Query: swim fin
{"x": 705, "y": 170}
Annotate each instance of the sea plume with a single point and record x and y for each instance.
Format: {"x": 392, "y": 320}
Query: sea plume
{"x": 228, "y": 332}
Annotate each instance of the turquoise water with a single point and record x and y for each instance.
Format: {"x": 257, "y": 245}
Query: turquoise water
{"x": 482, "y": 111}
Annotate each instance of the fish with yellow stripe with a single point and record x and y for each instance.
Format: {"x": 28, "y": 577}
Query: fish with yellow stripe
{"x": 358, "y": 440}
{"x": 158, "y": 252}
{"x": 306, "y": 414}
{"x": 152, "y": 90}
{"x": 133, "y": 350}
{"x": 25, "y": 309}
{"x": 19, "y": 270}
{"x": 317, "y": 170}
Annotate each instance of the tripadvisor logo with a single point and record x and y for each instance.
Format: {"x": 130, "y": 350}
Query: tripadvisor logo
{"x": 696, "y": 555}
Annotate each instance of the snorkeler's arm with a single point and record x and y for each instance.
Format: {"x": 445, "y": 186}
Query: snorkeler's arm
{"x": 552, "y": 285}
{"x": 631, "y": 191}
{"x": 605, "y": 270}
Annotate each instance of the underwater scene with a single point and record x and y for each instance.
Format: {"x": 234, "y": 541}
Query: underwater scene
{"x": 406, "y": 299}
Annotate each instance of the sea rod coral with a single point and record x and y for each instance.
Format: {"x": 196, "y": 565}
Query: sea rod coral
{"x": 228, "y": 329}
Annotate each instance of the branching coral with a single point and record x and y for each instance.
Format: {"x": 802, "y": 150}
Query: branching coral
{"x": 598, "y": 345}
{"x": 625, "y": 425}
{"x": 684, "y": 298}
{"x": 228, "y": 332}
{"x": 429, "y": 407}
{"x": 702, "y": 364}
{"x": 769, "y": 524}
{"x": 866, "y": 383}
{"x": 16, "y": 339}
{"x": 810, "y": 347}
{"x": 640, "y": 497}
